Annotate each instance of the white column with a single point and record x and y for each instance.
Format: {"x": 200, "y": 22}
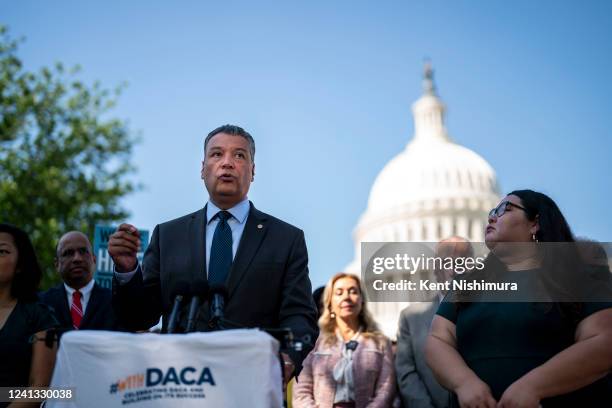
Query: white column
{"x": 447, "y": 227}
{"x": 477, "y": 233}
{"x": 430, "y": 226}
{"x": 462, "y": 226}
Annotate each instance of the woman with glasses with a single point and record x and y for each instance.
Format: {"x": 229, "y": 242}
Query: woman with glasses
{"x": 351, "y": 365}
{"x": 25, "y": 359}
{"x": 550, "y": 349}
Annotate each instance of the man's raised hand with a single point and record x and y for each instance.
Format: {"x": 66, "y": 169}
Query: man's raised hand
{"x": 123, "y": 245}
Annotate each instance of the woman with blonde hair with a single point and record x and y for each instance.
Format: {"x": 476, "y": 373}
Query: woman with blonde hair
{"x": 351, "y": 365}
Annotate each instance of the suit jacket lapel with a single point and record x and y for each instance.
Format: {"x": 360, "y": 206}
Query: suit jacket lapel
{"x": 252, "y": 237}
{"x": 197, "y": 233}
{"x": 92, "y": 305}
{"x": 65, "y": 309}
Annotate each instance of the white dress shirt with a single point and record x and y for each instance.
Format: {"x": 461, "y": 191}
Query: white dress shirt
{"x": 85, "y": 294}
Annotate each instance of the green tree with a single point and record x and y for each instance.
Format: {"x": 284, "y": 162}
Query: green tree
{"x": 64, "y": 163}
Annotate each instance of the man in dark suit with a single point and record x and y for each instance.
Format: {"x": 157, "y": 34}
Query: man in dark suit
{"x": 79, "y": 302}
{"x": 260, "y": 259}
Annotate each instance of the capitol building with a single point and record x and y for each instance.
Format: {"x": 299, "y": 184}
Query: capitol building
{"x": 433, "y": 189}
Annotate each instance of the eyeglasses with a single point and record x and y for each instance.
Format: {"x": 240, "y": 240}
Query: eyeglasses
{"x": 502, "y": 207}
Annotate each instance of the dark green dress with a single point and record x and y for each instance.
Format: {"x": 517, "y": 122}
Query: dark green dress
{"x": 25, "y": 320}
{"x": 502, "y": 341}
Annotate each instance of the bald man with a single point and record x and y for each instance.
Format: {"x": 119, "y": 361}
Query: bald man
{"x": 79, "y": 302}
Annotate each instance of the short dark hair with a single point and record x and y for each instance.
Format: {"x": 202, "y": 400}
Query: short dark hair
{"x": 27, "y": 272}
{"x": 234, "y": 131}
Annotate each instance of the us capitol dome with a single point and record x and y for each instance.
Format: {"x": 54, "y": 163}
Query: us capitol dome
{"x": 433, "y": 189}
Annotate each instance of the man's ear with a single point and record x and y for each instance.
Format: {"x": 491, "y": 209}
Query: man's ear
{"x": 202, "y": 170}
{"x": 56, "y": 263}
{"x": 253, "y": 173}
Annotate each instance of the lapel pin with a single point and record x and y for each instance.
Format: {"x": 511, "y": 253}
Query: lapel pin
{"x": 259, "y": 226}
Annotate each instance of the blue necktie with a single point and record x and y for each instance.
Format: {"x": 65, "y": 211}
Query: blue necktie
{"x": 220, "y": 251}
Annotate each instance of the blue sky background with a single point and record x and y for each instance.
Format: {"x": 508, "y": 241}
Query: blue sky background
{"x": 326, "y": 88}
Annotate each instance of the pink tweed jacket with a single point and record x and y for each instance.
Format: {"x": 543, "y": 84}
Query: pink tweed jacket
{"x": 373, "y": 373}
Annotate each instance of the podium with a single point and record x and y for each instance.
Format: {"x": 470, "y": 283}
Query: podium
{"x": 231, "y": 368}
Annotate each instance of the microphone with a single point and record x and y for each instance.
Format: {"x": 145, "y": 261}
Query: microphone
{"x": 181, "y": 288}
{"x": 218, "y": 296}
{"x": 199, "y": 291}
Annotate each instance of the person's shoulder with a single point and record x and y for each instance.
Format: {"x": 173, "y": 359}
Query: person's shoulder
{"x": 178, "y": 224}
{"x": 416, "y": 308}
{"x": 182, "y": 219}
{"x": 322, "y": 342}
{"x": 52, "y": 293}
{"x": 406, "y": 313}
{"x": 39, "y": 313}
{"x": 377, "y": 339}
{"x": 276, "y": 222}
{"x": 416, "y": 313}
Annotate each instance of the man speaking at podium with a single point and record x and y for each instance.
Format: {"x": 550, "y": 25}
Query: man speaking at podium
{"x": 261, "y": 260}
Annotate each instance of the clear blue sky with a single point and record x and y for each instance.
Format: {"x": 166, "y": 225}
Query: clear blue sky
{"x": 326, "y": 90}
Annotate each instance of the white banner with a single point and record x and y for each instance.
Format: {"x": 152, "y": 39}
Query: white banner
{"x": 232, "y": 368}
